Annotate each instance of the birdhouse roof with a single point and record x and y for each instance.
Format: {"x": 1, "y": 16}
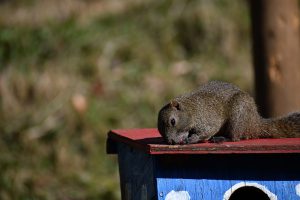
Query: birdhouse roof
{"x": 150, "y": 141}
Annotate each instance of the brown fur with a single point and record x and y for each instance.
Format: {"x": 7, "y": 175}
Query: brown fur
{"x": 219, "y": 109}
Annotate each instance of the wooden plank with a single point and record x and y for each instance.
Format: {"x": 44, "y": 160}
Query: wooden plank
{"x": 203, "y": 189}
{"x": 137, "y": 138}
{"x": 136, "y": 174}
{"x": 150, "y": 141}
{"x": 210, "y": 177}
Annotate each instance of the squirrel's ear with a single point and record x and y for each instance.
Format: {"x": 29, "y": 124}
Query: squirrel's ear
{"x": 175, "y": 104}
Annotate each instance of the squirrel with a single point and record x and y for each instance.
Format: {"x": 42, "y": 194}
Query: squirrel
{"x": 220, "y": 110}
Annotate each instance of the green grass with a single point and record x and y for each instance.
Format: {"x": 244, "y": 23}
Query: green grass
{"x": 65, "y": 83}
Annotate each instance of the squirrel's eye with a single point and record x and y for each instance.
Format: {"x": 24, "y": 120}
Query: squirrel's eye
{"x": 173, "y": 122}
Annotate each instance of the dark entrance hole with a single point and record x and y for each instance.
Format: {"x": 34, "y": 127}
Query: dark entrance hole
{"x": 249, "y": 193}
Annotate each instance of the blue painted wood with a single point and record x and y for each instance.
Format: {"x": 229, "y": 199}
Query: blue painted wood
{"x": 215, "y": 189}
{"x": 204, "y": 177}
{"x": 136, "y": 174}
{"x": 209, "y": 177}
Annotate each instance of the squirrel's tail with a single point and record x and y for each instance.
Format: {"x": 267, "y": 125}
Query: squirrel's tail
{"x": 282, "y": 127}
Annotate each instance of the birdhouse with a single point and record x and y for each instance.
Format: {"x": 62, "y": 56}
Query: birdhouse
{"x": 260, "y": 169}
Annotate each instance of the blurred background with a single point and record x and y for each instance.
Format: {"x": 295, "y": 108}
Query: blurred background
{"x": 71, "y": 70}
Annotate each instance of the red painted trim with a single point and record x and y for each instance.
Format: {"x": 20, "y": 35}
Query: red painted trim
{"x": 150, "y": 141}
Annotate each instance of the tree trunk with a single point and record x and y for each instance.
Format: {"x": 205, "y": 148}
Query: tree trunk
{"x": 276, "y": 55}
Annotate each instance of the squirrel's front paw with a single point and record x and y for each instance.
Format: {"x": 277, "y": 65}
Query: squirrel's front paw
{"x": 218, "y": 139}
{"x": 193, "y": 137}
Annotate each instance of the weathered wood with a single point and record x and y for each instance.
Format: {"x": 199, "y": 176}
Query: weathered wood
{"x": 136, "y": 174}
{"x": 211, "y": 177}
{"x": 149, "y": 141}
{"x": 253, "y": 169}
{"x": 276, "y": 50}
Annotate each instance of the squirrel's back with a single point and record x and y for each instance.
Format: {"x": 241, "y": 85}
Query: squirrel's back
{"x": 217, "y": 89}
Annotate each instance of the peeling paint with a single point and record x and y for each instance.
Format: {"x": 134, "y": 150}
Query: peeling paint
{"x": 263, "y": 188}
{"x": 297, "y": 188}
{"x": 178, "y": 195}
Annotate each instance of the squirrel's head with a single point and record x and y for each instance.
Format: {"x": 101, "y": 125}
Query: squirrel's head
{"x": 174, "y": 123}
